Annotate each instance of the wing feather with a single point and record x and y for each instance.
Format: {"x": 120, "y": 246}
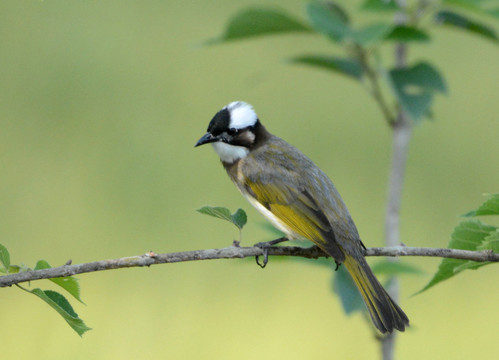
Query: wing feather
{"x": 287, "y": 199}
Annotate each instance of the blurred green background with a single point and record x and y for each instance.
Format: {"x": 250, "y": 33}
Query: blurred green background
{"x": 101, "y": 104}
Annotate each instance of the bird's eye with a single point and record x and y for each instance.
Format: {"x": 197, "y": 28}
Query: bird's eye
{"x": 232, "y": 131}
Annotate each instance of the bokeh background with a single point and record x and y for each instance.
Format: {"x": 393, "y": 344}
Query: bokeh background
{"x": 101, "y": 103}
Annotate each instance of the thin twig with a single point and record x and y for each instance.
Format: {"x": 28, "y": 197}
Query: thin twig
{"x": 231, "y": 252}
{"x": 375, "y": 87}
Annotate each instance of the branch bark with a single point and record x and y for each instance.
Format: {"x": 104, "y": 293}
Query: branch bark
{"x": 231, "y": 252}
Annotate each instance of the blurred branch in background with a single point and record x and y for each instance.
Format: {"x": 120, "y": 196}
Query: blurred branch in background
{"x": 401, "y": 138}
{"x": 232, "y": 252}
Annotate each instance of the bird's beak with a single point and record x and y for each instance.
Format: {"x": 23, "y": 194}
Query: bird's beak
{"x": 205, "y": 139}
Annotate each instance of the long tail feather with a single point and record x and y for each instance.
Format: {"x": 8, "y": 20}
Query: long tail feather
{"x": 385, "y": 313}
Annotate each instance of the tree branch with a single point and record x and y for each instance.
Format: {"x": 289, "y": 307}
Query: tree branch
{"x": 231, "y": 252}
{"x": 375, "y": 87}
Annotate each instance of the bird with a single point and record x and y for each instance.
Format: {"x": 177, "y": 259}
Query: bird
{"x": 298, "y": 198}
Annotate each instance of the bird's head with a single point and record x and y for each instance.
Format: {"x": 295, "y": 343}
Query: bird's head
{"x": 232, "y": 131}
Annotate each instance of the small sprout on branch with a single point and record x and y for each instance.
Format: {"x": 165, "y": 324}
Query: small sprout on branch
{"x": 239, "y": 218}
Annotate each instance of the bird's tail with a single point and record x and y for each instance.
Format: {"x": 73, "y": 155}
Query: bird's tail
{"x": 385, "y": 313}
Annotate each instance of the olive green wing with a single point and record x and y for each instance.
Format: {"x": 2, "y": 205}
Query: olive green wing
{"x": 286, "y": 197}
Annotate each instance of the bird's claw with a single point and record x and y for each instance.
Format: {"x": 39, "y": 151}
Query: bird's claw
{"x": 265, "y": 249}
{"x": 265, "y": 258}
{"x": 338, "y": 264}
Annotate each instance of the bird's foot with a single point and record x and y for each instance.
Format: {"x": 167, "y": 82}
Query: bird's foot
{"x": 265, "y": 248}
{"x": 338, "y": 264}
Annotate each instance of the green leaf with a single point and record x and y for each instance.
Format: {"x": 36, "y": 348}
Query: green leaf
{"x": 343, "y": 66}
{"x": 60, "y": 304}
{"x": 328, "y": 20}
{"x": 14, "y": 269}
{"x": 478, "y": 6}
{"x": 422, "y": 75}
{"x": 338, "y": 10}
{"x": 453, "y": 19}
{"x": 239, "y": 218}
{"x": 387, "y": 267}
{"x": 468, "y": 235}
{"x": 344, "y": 286}
{"x": 493, "y": 12}
{"x": 415, "y": 86}
{"x": 491, "y": 242}
{"x": 217, "y": 212}
{"x": 371, "y": 34}
{"x": 69, "y": 283}
{"x": 379, "y": 5}
{"x": 257, "y": 22}
{"x": 489, "y": 207}
{"x": 4, "y": 258}
{"x": 403, "y": 33}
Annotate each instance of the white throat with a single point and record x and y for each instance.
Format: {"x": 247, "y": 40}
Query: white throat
{"x": 229, "y": 153}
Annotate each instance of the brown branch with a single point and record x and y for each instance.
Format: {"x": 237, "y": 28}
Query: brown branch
{"x": 231, "y": 252}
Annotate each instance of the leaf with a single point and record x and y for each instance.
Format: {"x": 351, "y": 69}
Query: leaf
{"x": 415, "y": 86}
{"x": 371, "y": 34}
{"x": 489, "y": 207}
{"x": 69, "y": 283}
{"x": 257, "y": 22}
{"x": 387, "y": 267}
{"x": 338, "y": 10}
{"x": 491, "y": 242}
{"x": 344, "y": 286}
{"x": 468, "y": 235}
{"x": 453, "y": 19}
{"x": 493, "y": 12}
{"x": 14, "y": 269}
{"x": 379, "y": 5}
{"x": 60, "y": 304}
{"x": 422, "y": 75}
{"x": 402, "y": 33}
{"x": 328, "y": 20}
{"x": 239, "y": 218}
{"x": 216, "y": 211}
{"x": 478, "y": 6}
{"x": 343, "y": 66}
{"x": 4, "y": 258}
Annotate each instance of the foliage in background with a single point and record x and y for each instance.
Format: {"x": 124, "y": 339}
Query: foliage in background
{"x": 412, "y": 87}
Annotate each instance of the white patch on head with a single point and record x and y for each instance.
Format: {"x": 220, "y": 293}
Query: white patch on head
{"x": 242, "y": 115}
{"x": 229, "y": 153}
